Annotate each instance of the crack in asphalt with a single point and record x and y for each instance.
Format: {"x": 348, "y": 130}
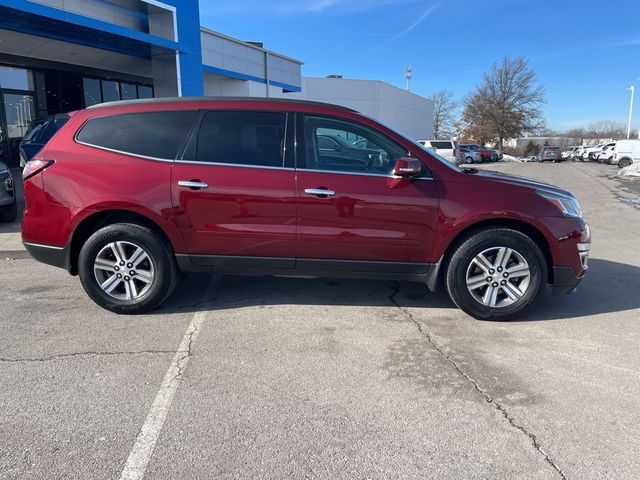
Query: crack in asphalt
{"x": 83, "y": 354}
{"x": 494, "y": 403}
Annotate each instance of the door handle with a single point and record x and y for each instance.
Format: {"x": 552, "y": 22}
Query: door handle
{"x": 193, "y": 184}
{"x": 320, "y": 192}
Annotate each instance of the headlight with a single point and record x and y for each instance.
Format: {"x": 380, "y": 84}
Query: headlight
{"x": 568, "y": 204}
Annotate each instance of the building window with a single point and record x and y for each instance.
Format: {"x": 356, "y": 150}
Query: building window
{"x": 145, "y": 92}
{"x": 92, "y": 94}
{"x": 110, "y": 91}
{"x": 128, "y": 91}
{"x": 16, "y": 78}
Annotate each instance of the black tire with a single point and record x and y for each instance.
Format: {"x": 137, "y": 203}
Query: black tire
{"x": 9, "y": 214}
{"x": 160, "y": 255}
{"x": 624, "y": 162}
{"x": 469, "y": 159}
{"x": 460, "y": 262}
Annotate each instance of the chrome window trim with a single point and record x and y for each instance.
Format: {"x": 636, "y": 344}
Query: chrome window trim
{"x": 213, "y": 164}
{"x": 362, "y": 174}
{"x": 122, "y": 152}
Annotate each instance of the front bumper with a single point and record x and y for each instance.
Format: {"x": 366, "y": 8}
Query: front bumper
{"x": 564, "y": 280}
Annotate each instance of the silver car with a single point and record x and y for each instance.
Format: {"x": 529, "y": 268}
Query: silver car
{"x": 470, "y": 156}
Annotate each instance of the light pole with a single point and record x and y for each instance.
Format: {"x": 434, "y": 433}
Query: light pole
{"x": 638, "y": 128}
{"x": 632, "y": 88}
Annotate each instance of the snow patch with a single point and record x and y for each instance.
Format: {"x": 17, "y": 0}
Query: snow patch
{"x": 630, "y": 171}
{"x": 510, "y": 158}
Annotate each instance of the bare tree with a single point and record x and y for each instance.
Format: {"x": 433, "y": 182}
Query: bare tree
{"x": 444, "y": 109}
{"x": 507, "y": 104}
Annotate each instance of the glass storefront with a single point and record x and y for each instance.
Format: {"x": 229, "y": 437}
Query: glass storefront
{"x": 23, "y": 98}
{"x": 17, "y": 110}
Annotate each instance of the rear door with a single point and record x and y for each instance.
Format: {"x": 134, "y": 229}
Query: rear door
{"x": 354, "y": 215}
{"x": 233, "y": 190}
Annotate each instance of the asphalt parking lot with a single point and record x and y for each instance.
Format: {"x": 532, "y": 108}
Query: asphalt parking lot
{"x": 322, "y": 378}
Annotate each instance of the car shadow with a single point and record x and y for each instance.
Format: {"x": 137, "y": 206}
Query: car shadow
{"x": 608, "y": 287}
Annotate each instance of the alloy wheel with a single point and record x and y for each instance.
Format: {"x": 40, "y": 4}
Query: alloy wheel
{"x": 124, "y": 270}
{"x": 498, "y": 277}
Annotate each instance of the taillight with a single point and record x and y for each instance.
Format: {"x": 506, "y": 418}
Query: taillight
{"x": 35, "y": 166}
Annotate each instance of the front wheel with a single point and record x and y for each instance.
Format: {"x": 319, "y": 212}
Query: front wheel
{"x": 496, "y": 273}
{"x": 127, "y": 268}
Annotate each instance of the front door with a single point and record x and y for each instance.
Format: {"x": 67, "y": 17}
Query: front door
{"x": 350, "y": 208}
{"x": 233, "y": 192}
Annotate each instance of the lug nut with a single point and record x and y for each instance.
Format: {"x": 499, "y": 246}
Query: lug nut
{"x": 126, "y": 278}
{"x": 491, "y": 271}
{"x": 122, "y": 263}
{"x": 495, "y": 284}
{"x": 489, "y": 279}
{"x": 503, "y": 282}
{"x": 129, "y": 265}
{"x": 505, "y": 274}
{"x": 499, "y": 269}
{"x": 119, "y": 275}
{"x": 116, "y": 268}
{"x": 132, "y": 273}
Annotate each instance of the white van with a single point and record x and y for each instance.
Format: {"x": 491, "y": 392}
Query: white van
{"x": 445, "y": 148}
{"x": 626, "y": 152}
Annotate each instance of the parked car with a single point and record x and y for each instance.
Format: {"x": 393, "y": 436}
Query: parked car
{"x": 8, "y": 205}
{"x": 531, "y": 158}
{"x": 448, "y": 149}
{"x": 577, "y": 154}
{"x": 606, "y": 155}
{"x": 568, "y": 153}
{"x": 229, "y": 185}
{"x": 496, "y": 155}
{"x": 550, "y": 154}
{"x": 626, "y": 152}
{"x": 482, "y": 151}
{"x": 38, "y": 134}
{"x": 470, "y": 156}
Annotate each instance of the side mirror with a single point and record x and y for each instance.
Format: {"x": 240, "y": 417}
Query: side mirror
{"x": 407, "y": 167}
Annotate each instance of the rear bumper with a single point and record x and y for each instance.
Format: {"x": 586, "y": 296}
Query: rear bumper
{"x": 55, "y": 256}
{"x": 564, "y": 280}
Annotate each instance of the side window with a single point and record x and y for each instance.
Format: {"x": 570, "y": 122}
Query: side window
{"x": 341, "y": 146}
{"x": 150, "y": 134}
{"x": 242, "y": 138}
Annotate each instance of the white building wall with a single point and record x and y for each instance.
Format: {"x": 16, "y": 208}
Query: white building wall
{"x": 402, "y": 110}
{"x": 249, "y": 61}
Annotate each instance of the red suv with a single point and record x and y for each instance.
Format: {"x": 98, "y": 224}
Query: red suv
{"x": 128, "y": 194}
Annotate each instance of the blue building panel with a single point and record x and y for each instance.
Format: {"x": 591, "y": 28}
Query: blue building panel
{"x": 47, "y": 21}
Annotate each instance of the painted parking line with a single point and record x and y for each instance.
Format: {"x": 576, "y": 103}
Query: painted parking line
{"x": 140, "y": 454}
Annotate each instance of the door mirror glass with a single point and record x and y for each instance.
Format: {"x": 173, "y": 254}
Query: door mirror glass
{"x": 407, "y": 167}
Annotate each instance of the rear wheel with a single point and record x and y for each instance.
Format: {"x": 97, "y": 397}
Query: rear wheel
{"x": 496, "y": 273}
{"x": 127, "y": 268}
{"x": 625, "y": 162}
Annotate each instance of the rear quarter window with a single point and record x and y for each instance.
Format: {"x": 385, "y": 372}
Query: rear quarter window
{"x": 149, "y": 134}
{"x": 441, "y": 145}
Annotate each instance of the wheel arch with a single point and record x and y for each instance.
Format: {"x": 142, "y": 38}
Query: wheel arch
{"x": 526, "y": 228}
{"x": 101, "y": 219}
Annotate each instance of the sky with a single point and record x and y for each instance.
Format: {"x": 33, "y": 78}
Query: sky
{"x": 585, "y": 53}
